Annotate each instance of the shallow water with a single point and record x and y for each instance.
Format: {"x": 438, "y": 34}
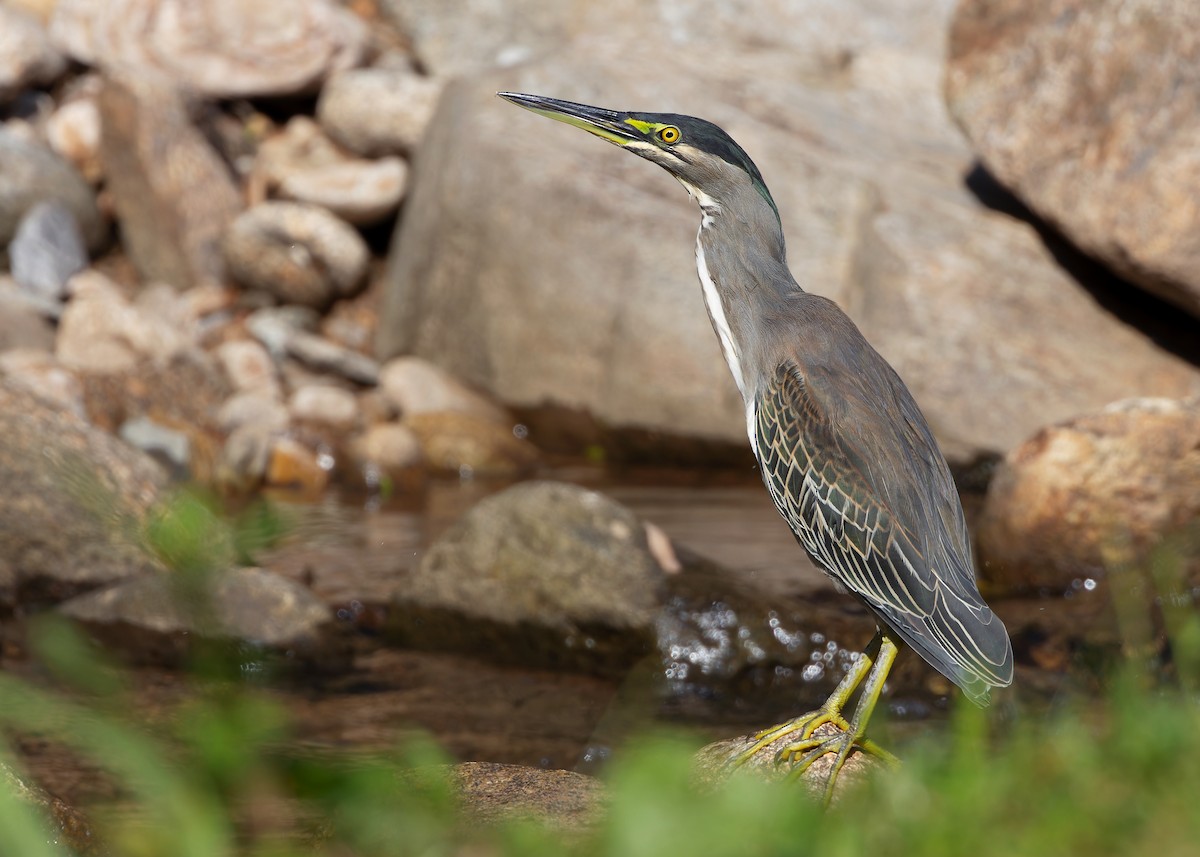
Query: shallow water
{"x": 352, "y": 553}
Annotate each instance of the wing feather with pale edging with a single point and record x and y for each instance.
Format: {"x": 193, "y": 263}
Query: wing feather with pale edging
{"x": 873, "y": 504}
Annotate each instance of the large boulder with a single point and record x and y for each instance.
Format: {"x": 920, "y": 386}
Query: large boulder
{"x": 1096, "y": 495}
{"x": 74, "y": 501}
{"x": 1089, "y": 111}
{"x": 542, "y": 266}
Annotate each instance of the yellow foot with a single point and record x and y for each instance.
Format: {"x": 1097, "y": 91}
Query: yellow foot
{"x": 803, "y": 753}
{"x": 804, "y": 725}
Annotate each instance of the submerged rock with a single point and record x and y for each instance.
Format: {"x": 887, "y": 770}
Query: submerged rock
{"x": 542, "y": 573}
{"x": 155, "y": 619}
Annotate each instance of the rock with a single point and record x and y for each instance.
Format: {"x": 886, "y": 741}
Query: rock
{"x": 74, "y": 501}
{"x": 415, "y": 386}
{"x": 216, "y": 48}
{"x": 47, "y": 250}
{"x": 466, "y": 445}
{"x": 324, "y": 404}
{"x": 714, "y": 764}
{"x": 249, "y": 367}
{"x": 304, "y": 165}
{"x": 39, "y": 372}
{"x": 73, "y": 131}
{"x": 540, "y": 573}
{"x": 244, "y": 457}
{"x": 33, "y": 174}
{"x": 299, "y": 253}
{"x": 252, "y": 408}
{"x": 389, "y": 447}
{"x": 172, "y": 194}
{"x": 378, "y": 111}
{"x": 294, "y": 467}
{"x": 1089, "y": 113}
{"x": 66, "y": 824}
{"x": 324, "y": 356}
{"x": 27, "y": 58}
{"x": 359, "y": 192}
{"x": 22, "y": 322}
{"x": 491, "y": 793}
{"x": 274, "y": 327}
{"x": 503, "y": 271}
{"x": 1094, "y": 495}
{"x": 482, "y": 35}
{"x": 147, "y": 621}
{"x": 102, "y": 333}
{"x": 170, "y": 448}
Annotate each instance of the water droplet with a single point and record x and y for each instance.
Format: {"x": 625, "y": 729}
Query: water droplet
{"x": 520, "y": 432}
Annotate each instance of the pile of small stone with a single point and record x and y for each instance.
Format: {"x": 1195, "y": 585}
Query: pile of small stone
{"x": 187, "y": 200}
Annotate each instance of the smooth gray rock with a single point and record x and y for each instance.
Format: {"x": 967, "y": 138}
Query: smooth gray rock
{"x": 47, "y": 250}
{"x": 31, "y": 174}
{"x": 539, "y": 264}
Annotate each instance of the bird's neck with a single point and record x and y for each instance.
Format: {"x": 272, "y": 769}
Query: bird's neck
{"x": 744, "y": 277}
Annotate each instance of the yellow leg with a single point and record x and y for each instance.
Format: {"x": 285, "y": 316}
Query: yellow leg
{"x": 873, "y": 665}
{"x": 807, "y": 750}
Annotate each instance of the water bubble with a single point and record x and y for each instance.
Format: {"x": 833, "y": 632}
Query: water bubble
{"x": 466, "y": 472}
{"x": 813, "y": 672}
{"x": 1089, "y": 584}
{"x": 817, "y": 638}
{"x": 520, "y": 432}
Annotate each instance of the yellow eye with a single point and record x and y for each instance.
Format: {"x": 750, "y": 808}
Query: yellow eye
{"x": 669, "y": 134}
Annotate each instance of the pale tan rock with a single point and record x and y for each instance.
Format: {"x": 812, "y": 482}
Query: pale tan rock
{"x": 172, "y": 194}
{"x": 378, "y": 111}
{"x": 102, "y": 333}
{"x": 415, "y": 386}
{"x": 216, "y": 48}
{"x": 324, "y": 404}
{"x": 301, "y": 254}
{"x": 249, "y": 367}
{"x": 466, "y": 445}
{"x": 392, "y": 447}
{"x": 73, "y": 131}
{"x": 569, "y": 278}
{"x": 27, "y": 58}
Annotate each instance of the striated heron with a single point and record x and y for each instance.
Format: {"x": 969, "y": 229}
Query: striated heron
{"x": 844, "y": 450}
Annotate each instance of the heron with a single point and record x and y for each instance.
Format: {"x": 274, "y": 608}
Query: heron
{"x": 844, "y": 451}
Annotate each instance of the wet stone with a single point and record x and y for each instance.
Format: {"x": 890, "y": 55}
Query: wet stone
{"x": 148, "y": 620}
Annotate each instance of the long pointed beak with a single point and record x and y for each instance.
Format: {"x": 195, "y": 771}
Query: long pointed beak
{"x": 606, "y": 124}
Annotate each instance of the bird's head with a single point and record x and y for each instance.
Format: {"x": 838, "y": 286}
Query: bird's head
{"x": 700, "y": 155}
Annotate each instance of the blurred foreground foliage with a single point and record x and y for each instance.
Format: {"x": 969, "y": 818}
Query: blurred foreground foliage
{"x": 219, "y": 776}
